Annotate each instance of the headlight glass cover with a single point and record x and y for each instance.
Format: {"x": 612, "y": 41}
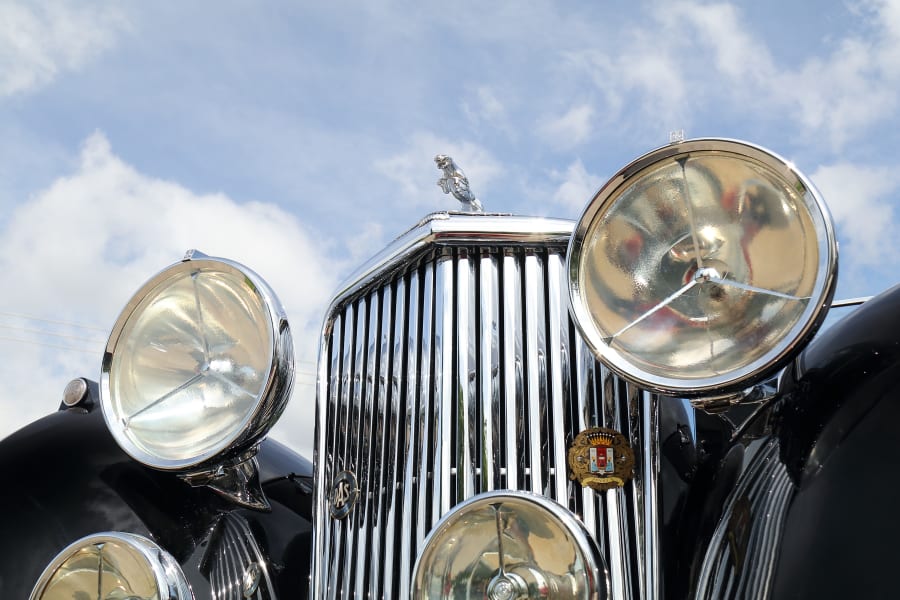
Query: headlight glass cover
{"x": 112, "y": 566}
{"x": 509, "y": 545}
{"x": 702, "y": 266}
{"x": 198, "y": 364}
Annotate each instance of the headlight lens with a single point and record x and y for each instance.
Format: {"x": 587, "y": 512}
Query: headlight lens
{"x": 199, "y": 363}
{"x": 701, "y": 266}
{"x": 112, "y": 566}
{"x": 509, "y": 545}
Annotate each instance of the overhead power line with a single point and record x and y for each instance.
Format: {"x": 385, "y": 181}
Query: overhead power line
{"x": 53, "y": 321}
{"x": 56, "y": 335}
{"x": 97, "y": 351}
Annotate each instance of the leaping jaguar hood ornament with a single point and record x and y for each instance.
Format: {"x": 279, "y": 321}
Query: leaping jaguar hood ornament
{"x": 455, "y": 182}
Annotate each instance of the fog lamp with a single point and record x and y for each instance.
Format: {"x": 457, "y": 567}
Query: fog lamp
{"x": 112, "y": 566}
{"x": 507, "y": 546}
{"x": 701, "y": 267}
{"x": 198, "y": 365}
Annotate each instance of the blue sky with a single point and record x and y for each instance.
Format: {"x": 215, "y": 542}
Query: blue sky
{"x": 298, "y": 137}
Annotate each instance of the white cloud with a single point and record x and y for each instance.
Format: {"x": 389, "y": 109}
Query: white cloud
{"x": 38, "y": 40}
{"x": 77, "y": 251}
{"x": 699, "y": 58}
{"x": 859, "y": 200}
{"x": 484, "y": 107}
{"x": 576, "y": 188}
{"x": 417, "y": 175}
{"x": 570, "y": 129}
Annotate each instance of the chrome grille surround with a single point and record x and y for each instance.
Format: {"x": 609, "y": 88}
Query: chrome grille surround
{"x": 404, "y": 403}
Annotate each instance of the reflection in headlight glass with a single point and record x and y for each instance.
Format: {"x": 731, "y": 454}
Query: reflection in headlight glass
{"x": 191, "y": 364}
{"x": 505, "y": 549}
{"x": 733, "y": 218}
{"x": 106, "y": 571}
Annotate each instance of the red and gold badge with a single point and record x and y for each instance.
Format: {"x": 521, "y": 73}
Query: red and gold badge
{"x": 601, "y": 459}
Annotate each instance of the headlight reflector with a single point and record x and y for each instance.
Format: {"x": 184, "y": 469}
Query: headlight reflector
{"x": 112, "y": 566}
{"x": 701, "y": 266}
{"x": 199, "y": 363}
{"x": 508, "y": 545}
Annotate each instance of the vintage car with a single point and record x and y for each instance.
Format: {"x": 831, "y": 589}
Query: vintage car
{"x": 641, "y": 404}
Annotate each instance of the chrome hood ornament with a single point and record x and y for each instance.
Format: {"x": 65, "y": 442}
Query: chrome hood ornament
{"x": 455, "y": 182}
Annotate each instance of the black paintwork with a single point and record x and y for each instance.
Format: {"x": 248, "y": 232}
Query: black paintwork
{"x": 64, "y": 477}
{"x": 836, "y": 423}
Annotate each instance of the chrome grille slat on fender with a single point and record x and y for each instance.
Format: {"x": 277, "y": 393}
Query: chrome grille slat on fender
{"x": 452, "y": 368}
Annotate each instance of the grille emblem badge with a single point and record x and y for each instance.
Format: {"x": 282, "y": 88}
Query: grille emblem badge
{"x": 601, "y": 459}
{"x": 344, "y": 493}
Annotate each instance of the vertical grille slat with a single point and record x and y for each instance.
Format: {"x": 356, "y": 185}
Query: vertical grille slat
{"x": 411, "y": 346}
{"x": 513, "y": 369}
{"x": 443, "y": 384}
{"x": 465, "y": 415}
{"x": 397, "y": 440}
{"x": 461, "y": 372}
{"x": 536, "y": 397}
{"x": 367, "y": 470}
{"x": 380, "y": 455}
{"x": 556, "y": 313}
{"x": 489, "y": 373}
{"x": 425, "y": 425}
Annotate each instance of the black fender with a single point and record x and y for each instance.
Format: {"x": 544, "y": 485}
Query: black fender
{"x": 806, "y": 505}
{"x": 64, "y": 477}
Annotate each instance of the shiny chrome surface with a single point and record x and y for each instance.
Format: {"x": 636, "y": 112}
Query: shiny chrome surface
{"x": 269, "y": 394}
{"x": 456, "y": 183}
{"x": 741, "y": 557}
{"x": 75, "y": 392}
{"x": 850, "y": 301}
{"x": 234, "y": 563}
{"x": 112, "y": 565}
{"x": 702, "y": 267}
{"x": 449, "y": 367}
{"x": 236, "y": 479}
{"x": 510, "y": 544}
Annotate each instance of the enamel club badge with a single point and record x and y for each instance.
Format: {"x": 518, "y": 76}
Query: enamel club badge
{"x": 601, "y": 459}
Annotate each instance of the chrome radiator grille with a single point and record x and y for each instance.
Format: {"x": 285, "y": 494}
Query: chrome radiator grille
{"x": 458, "y": 371}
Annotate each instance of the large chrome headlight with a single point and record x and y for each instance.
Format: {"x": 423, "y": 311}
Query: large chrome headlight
{"x": 199, "y": 365}
{"x": 112, "y": 566}
{"x": 701, "y": 267}
{"x": 506, "y": 546}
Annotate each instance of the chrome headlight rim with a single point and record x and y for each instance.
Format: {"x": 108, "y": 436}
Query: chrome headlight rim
{"x": 167, "y": 574}
{"x": 270, "y": 402}
{"x": 595, "y": 563}
{"x": 788, "y": 347}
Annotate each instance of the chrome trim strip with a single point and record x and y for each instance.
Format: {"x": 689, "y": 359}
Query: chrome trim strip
{"x": 850, "y": 302}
